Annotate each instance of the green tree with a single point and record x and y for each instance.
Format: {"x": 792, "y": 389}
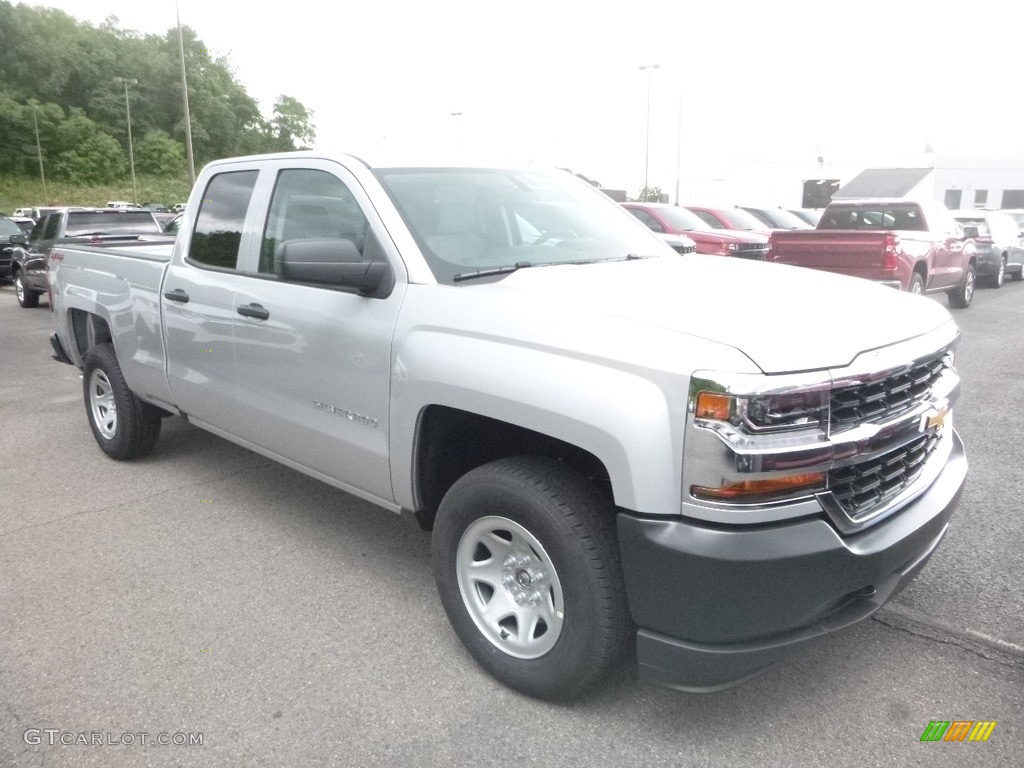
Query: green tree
{"x": 652, "y": 195}
{"x": 292, "y": 124}
{"x": 157, "y": 154}
{"x": 86, "y": 154}
{"x": 52, "y": 59}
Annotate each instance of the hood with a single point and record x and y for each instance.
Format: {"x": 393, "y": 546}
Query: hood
{"x": 727, "y": 236}
{"x": 784, "y": 319}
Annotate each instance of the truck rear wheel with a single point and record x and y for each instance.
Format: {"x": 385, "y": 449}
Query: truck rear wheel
{"x": 527, "y": 567}
{"x": 962, "y": 295}
{"x": 124, "y": 426}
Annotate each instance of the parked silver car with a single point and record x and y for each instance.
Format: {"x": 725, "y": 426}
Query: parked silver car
{"x": 999, "y": 243}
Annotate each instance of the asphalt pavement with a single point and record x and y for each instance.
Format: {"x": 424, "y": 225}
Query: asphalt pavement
{"x": 207, "y": 594}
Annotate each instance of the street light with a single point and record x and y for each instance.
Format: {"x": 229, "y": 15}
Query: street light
{"x": 131, "y": 148}
{"x": 39, "y": 152}
{"x": 184, "y": 97}
{"x": 647, "y": 146}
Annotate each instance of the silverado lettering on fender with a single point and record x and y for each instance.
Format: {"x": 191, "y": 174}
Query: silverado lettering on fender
{"x": 911, "y": 246}
{"x": 603, "y": 448}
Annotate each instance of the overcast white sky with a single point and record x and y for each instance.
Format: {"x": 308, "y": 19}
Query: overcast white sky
{"x": 558, "y": 81}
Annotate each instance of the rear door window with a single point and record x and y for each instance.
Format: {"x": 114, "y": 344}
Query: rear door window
{"x": 218, "y": 231}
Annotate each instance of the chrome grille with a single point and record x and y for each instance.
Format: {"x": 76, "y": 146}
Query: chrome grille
{"x": 864, "y": 487}
{"x": 755, "y": 251}
{"x": 886, "y": 398}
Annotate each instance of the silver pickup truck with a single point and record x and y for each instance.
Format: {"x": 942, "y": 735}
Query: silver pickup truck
{"x": 715, "y": 461}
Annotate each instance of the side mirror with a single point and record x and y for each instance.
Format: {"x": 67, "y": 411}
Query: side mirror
{"x": 19, "y": 239}
{"x": 329, "y": 261}
{"x": 969, "y": 232}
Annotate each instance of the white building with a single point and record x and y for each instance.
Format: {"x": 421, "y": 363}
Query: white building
{"x": 961, "y": 181}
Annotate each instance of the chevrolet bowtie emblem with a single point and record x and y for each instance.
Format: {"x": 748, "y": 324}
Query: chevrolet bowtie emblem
{"x": 934, "y": 419}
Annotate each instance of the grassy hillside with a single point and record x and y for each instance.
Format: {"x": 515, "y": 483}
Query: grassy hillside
{"x": 18, "y": 192}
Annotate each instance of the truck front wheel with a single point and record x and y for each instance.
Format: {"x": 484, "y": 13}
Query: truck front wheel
{"x": 527, "y": 567}
{"x": 27, "y": 298}
{"x": 124, "y": 426}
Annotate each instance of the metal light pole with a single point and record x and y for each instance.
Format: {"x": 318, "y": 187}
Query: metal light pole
{"x": 131, "y": 147}
{"x": 39, "y": 151}
{"x": 184, "y": 98}
{"x": 679, "y": 144}
{"x": 647, "y": 146}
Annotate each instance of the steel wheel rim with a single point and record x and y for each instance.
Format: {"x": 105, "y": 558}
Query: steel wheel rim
{"x": 916, "y": 287}
{"x": 510, "y": 587}
{"x": 1000, "y": 275}
{"x": 19, "y": 289}
{"x": 102, "y": 405}
{"x": 969, "y": 287}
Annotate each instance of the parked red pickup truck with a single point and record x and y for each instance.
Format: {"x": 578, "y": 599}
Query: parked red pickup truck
{"x": 913, "y": 246}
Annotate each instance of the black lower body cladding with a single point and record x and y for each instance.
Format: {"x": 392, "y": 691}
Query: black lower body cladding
{"x": 716, "y": 605}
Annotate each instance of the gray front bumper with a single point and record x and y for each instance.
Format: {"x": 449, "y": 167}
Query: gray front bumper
{"x": 718, "y": 604}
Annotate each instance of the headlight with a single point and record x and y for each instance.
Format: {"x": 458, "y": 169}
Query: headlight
{"x": 765, "y": 412}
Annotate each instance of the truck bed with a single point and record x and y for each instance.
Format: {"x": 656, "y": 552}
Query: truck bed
{"x": 833, "y": 250}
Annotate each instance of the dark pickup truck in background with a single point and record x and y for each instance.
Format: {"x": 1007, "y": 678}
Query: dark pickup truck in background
{"x": 82, "y": 225}
{"x": 912, "y": 246}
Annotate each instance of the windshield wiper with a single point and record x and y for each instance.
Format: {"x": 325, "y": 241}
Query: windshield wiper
{"x": 509, "y": 268}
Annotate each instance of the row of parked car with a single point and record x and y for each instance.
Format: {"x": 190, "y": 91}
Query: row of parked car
{"x": 25, "y": 243}
{"x": 997, "y": 237}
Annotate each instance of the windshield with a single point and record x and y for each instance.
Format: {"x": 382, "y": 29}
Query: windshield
{"x": 470, "y": 219}
{"x": 782, "y": 219}
{"x": 740, "y": 219}
{"x": 8, "y": 227}
{"x": 680, "y": 218}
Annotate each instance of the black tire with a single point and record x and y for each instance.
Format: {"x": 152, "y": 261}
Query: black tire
{"x": 916, "y": 284}
{"x": 124, "y": 427}
{"x": 1019, "y": 274}
{"x": 27, "y": 298}
{"x": 962, "y": 296}
{"x": 996, "y": 280}
{"x": 572, "y": 562}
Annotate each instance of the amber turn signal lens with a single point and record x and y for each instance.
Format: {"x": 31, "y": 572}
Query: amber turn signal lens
{"x": 714, "y": 405}
{"x": 749, "y": 490}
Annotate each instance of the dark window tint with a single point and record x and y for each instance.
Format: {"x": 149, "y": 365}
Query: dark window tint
{"x": 980, "y": 197}
{"x": 647, "y": 219}
{"x": 952, "y": 198}
{"x": 100, "y": 222}
{"x": 1013, "y": 198}
{"x": 709, "y": 219}
{"x": 218, "y": 231}
{"x": 50, "y": 227}
{"x": 880, "y": 218}
{"x": 310, "y": 204}
{"x": 8, "y": 227}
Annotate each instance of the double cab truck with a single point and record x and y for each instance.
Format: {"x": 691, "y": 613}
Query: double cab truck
{"x": 911, "y": 246}
{"x": 29, "y": 260}
{"x": 605, "y": 452}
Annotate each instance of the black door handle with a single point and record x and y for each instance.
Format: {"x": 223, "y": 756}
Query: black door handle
{"x": 254, "y": 310}
{"x": 177, "y": 295}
